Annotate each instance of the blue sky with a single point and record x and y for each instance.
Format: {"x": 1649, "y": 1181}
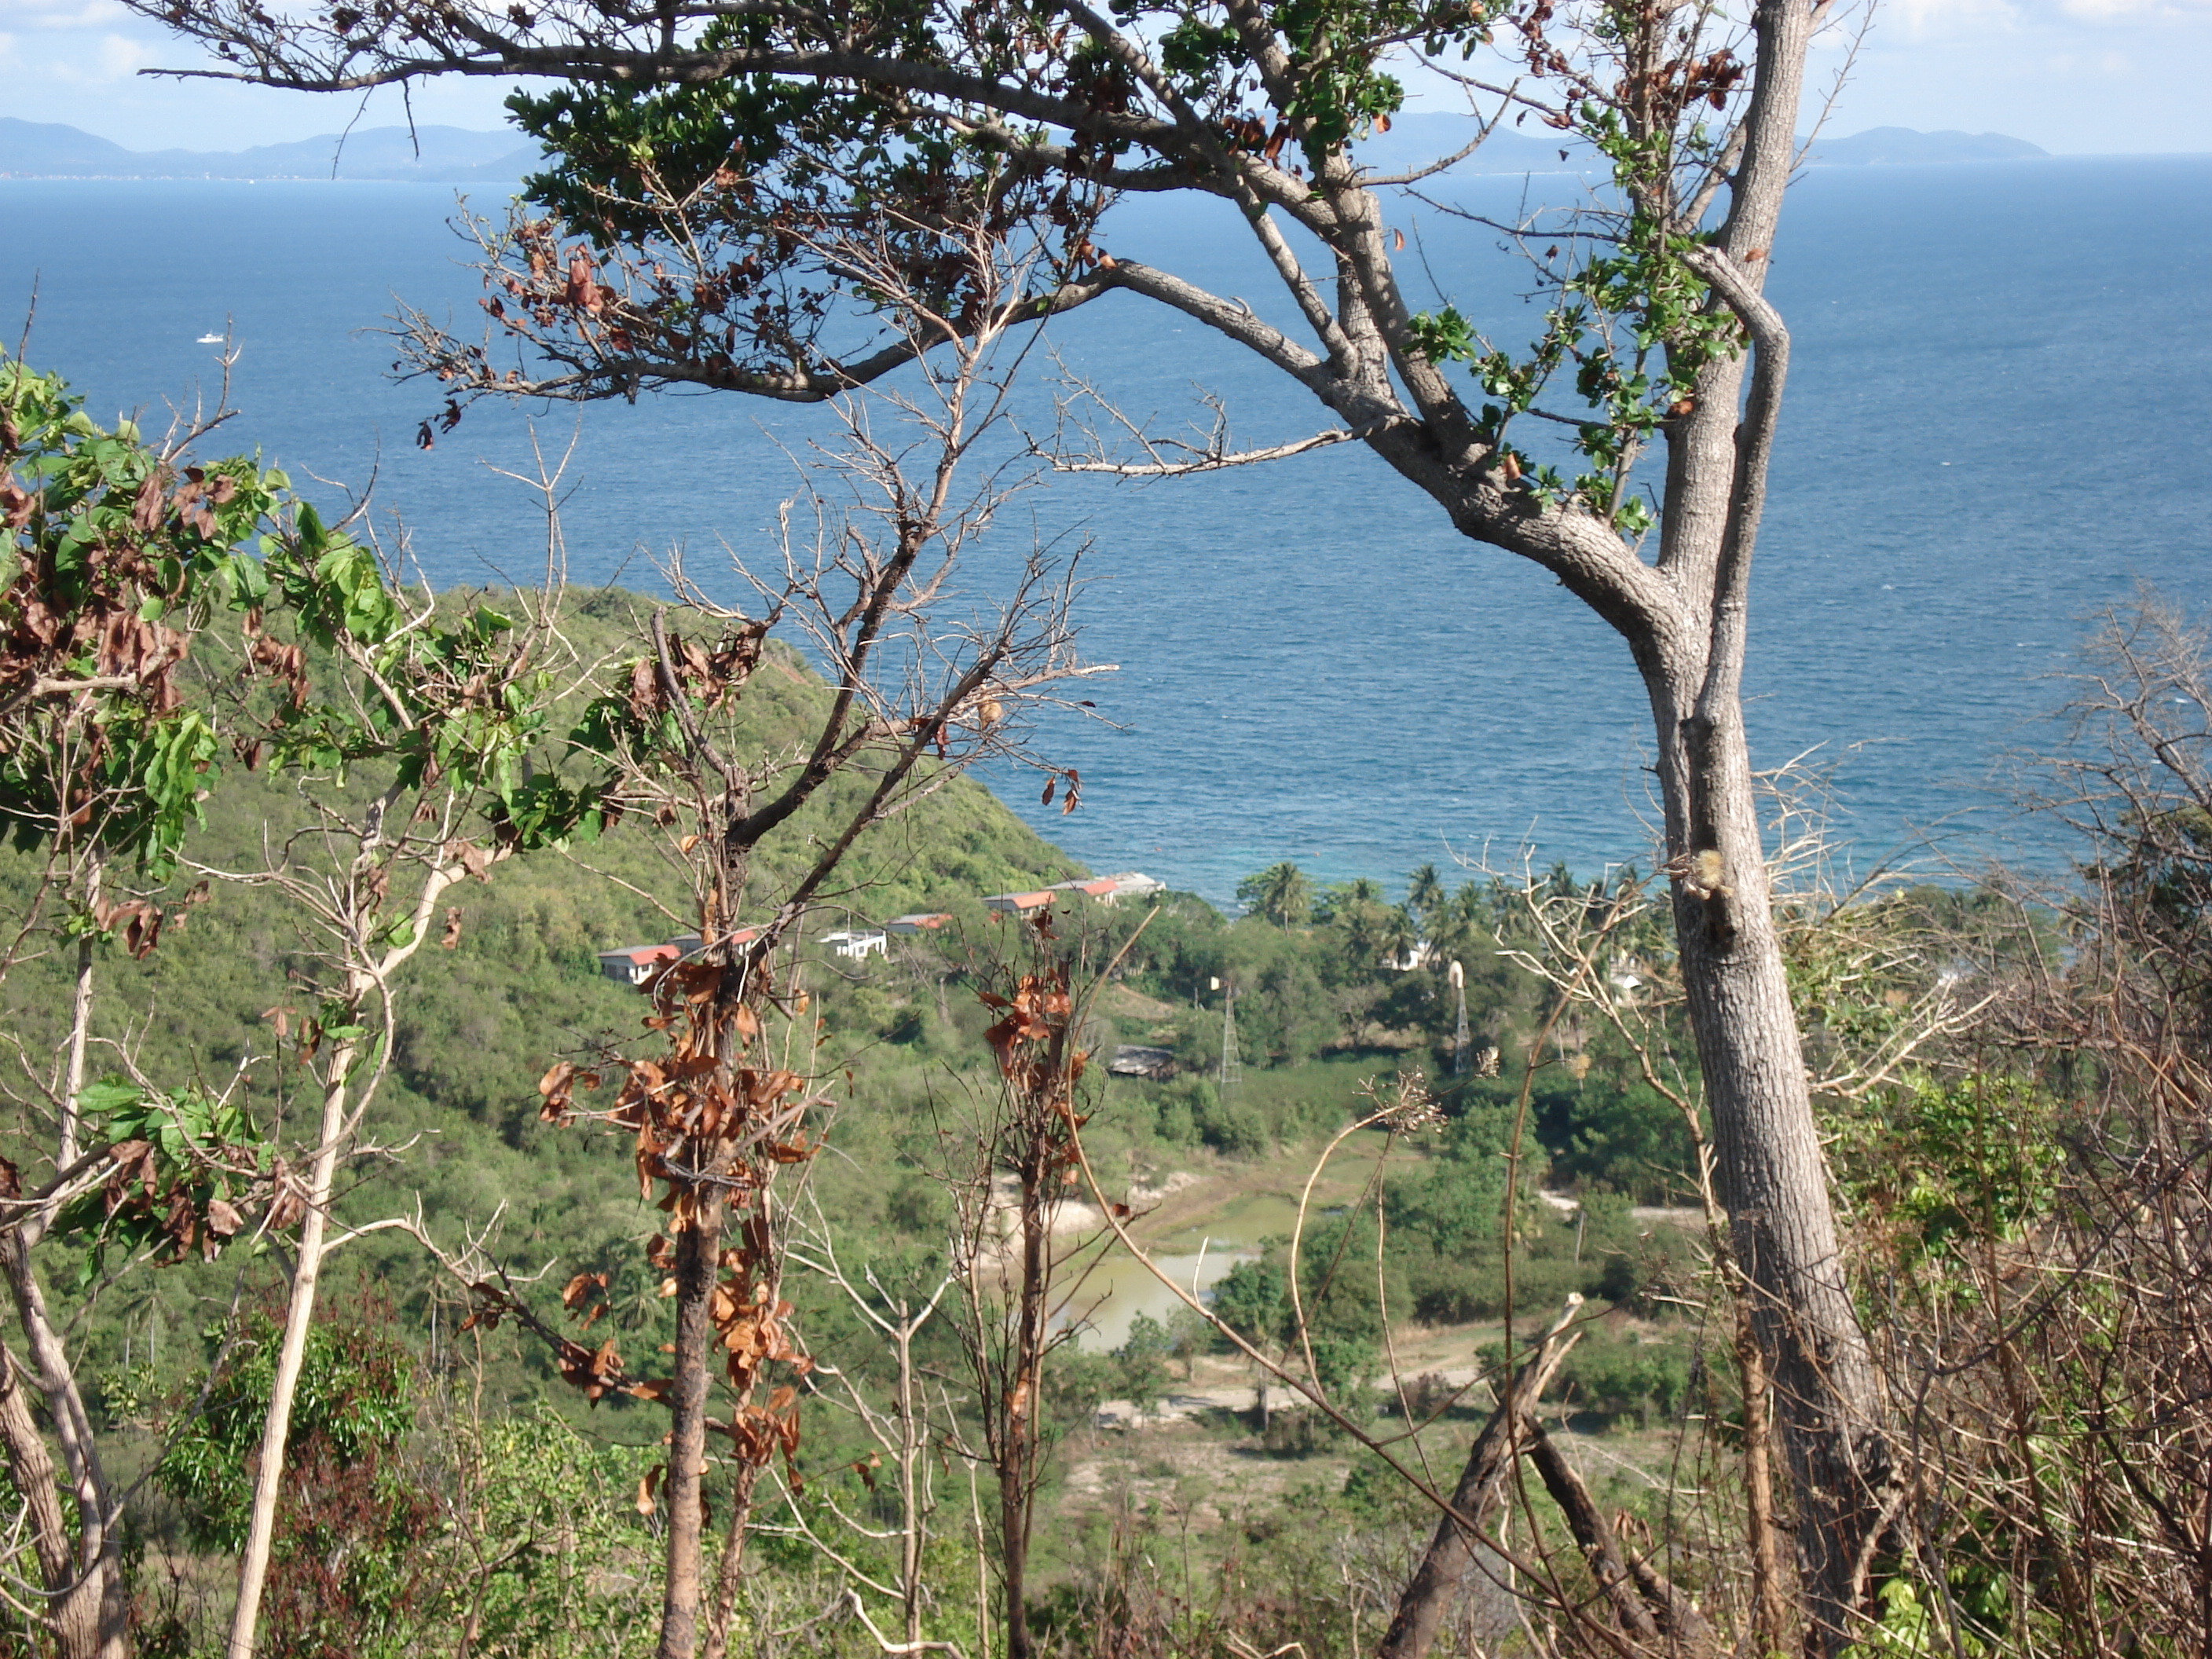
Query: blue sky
{"x": 2072, "y": 75}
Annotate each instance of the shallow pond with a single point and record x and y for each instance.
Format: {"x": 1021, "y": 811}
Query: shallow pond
{"x": 1119, "y": 1289}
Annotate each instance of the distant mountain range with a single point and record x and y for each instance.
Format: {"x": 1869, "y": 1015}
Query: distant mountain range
{"x": 458, "y": 155}
{"x": 1415, "y": 141}
{"x": 1902, "y": 146}
{"x": 30, "y": 149}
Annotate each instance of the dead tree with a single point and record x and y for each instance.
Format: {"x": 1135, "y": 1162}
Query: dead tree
{"x": 1010, "y": 1179}
{"x": 1451, "y": 1551}
{"x": 914, "y": 689}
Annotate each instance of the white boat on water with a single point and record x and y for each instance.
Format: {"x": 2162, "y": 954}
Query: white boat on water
{"x": 209, "y": 339}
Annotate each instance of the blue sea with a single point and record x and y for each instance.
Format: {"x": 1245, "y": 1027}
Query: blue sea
{"x": 1999, "y": 420}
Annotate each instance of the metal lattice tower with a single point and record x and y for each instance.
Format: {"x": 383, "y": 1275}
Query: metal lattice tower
{"x": 1232, "y": 1066}
{"x": 1461, "y": 1040}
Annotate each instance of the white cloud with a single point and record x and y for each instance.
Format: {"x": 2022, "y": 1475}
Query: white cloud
{"x": 2126, "y": 81}
{"x": 105, "y": 62}
{"x": 1922, "y": 19}
{"x": 2109, "y": 11}
{"x": 44, "y": 14}
{"x": 119, "y": 56}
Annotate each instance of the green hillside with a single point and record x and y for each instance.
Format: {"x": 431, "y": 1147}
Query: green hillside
{"x": 478, "y": 1023}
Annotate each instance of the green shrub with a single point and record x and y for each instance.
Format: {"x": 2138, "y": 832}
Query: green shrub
{"x": 1140, "y": 1372}
{"x": 1234, "y": 1128}
{"x": 1614, "y": 1376}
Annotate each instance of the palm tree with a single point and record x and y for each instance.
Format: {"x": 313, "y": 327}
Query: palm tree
{"x": 1460, "y": 926}
{"x": 1281, "y": 893}
{"x": 1424, "y": 893}
{"x": 1357, "y": 906}
{"x": 1349, "y": 903}
{"x": 1400, "y": 936}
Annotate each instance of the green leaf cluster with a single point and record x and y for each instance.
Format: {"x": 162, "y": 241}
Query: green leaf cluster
{"x": 199, "y": 1151}
{"x": 355, "y": 1401}
{"x": 121, "y": 553}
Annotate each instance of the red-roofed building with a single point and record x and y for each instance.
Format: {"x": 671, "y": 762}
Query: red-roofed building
{"x": 690, "y": 944}
{"x": 918, "y": 921}
{"x": 637, "y": 963}
{"x": 1018, "y": 905}
{"x": 1098, "y": 887}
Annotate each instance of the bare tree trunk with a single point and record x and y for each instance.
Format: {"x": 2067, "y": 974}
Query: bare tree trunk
{"x": 299, "y": 1318}
{"x": 729, "y": 1570}
{"x": 79, "y": 1030}
{"x": 1770, "y": 1598}
{"x": 73, "y": 1597}
{"x": 983, "y": 1571}
{"x": 1013, "y": 1568}
{"x": 910, "y": 1515}
{"x": 1429, "y": 1593}
{"x": 1649, "y": 1607}
{"x": 1018, "y": 1455}
{"x": 698, "y": 1257}
{"x": 1771, "y": 1175}
{"x": 99, "y": 1542}
{"x": 97, "y": 1580}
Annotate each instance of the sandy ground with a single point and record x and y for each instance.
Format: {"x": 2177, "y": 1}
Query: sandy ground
{"x": 1174, "y": 1460}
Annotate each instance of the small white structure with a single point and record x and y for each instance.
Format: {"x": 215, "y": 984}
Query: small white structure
{"x": 1107, "y": 889}
{"x": 856, "y": 946}
{"x": 1419, "y": 954}
{"x": 1134, "y": 884}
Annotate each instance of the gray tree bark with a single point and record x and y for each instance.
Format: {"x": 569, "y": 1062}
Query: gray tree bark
{"x": 698, "y": 1261}
{"x": 97, "y": 1572}
{"x": 1648, "y": 1607}
{"x": 1450, "y": 1555}
{"x": 73, "y": 1593}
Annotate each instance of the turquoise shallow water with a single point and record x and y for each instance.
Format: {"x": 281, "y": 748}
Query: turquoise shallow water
{"x": 2000, "y": 418}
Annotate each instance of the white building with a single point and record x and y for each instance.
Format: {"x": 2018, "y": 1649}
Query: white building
{"x": 1126, "y": 884}
{"x": 1134, "y": 884}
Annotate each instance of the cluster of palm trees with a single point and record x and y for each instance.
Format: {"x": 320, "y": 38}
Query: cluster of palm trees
{"x": 1446, "y": 920}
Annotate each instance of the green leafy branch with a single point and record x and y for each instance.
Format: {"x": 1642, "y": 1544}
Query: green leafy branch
{"x": 123, "y": 551}
{"x": 184, "y": 1167}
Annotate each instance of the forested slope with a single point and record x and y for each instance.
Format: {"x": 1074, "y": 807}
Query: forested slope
{"x": 476, "y": 1024}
